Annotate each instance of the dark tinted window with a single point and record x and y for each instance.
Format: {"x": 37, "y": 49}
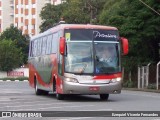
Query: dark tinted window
{"x": 54, "y": 42}
{"x": 87, "y": 34}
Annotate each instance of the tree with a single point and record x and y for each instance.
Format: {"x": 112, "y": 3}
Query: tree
{"x": 11, "y": 56}
{"x": 139, "y": 24}
{"x": 73, "y": 11}
{"x": 21, "y": 41}
{"x": 93, "y": 8}
{"x": 50, "y": 15}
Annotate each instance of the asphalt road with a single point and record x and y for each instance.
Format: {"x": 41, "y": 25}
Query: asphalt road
{"x": 19, "y": 96}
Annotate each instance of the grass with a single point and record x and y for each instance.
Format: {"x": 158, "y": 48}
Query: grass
{"x": 13, "y": 79}
{"x": 151, "y": 86}
{"x": 129, "y": 84}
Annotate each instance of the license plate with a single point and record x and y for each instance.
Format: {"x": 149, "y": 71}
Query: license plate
{"x": 94, "y": 88}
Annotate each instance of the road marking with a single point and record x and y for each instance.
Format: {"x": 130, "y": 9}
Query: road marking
{"x": 25, "y": 80}
{"x": 33, "y": 105}
{"x": 14, "y": 81}
{"x": 67, "y": 107}
{"x": 143, "y": 95}
{"x": 5, "y": 99}
{"x": 9, "y": 91}
{"x": 51, "y": 107}
{"x": 8, "y": 80}
{"x": 24, "y": 102}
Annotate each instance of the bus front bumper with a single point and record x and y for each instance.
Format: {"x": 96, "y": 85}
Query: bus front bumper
{"x": 77, "y": 88}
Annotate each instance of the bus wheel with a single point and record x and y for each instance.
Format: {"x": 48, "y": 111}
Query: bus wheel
{"x": 37, "y": 91}
{"x": 59, "y": 96}
{"x": 104, "y": 96}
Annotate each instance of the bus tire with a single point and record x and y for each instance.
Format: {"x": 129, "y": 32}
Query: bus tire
{"x": 44, "y": 92}
{"x": 59, "y": 96}
{"x": 104, "y": 96}
{"x": 38, "y": 91}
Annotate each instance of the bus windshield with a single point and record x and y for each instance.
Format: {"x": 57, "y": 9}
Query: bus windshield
{"x": 79, "y": 57}
{"x": 107, "y": 57}
{"x": 92, "y": 52}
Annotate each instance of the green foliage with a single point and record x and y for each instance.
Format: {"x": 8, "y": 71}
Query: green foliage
{"x": 13, "y": 79}
{"x": 21, "y": 41}
{"x": 151, "y": 86}
{"x": 129, "y": 84}
{"x": 139, "y": 24}
{"x": 11, "y": 56}
{"x": 50, "y": 15}
{"x": 73, "y": 11}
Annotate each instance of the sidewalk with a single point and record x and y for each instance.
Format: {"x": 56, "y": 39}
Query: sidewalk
{"x": 144, "y": 90}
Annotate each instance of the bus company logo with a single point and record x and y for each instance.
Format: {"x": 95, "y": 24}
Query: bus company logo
{"x": 101, "y": 35}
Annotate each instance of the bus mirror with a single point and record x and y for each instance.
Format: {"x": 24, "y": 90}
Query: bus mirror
{"x": 62, "y": 45}
{"x": 125, "y": 46}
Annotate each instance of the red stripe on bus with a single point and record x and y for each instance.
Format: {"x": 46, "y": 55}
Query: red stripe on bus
{"x": 100, "y": 77}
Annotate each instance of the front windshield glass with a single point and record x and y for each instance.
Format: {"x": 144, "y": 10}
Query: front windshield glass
{"x": 79, "y": 57}
{"x": 107, "y": 57}
{"x": 92, "y": 51}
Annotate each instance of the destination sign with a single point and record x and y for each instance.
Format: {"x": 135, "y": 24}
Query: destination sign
{"x": 90, "y": 35}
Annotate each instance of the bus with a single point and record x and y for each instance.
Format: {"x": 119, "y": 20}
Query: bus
{"x": 80, "y": 59}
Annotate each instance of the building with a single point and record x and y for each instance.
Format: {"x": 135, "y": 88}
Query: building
{"x": 24, "y": 14}
{"x": 6, "y": 14}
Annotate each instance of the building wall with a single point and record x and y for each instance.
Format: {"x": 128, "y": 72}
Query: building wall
{"x": 24, "y": 70}
{"x": 40, "y": 5}
{"x": 6, "y": 14}
{"x": 56, "y": 2}
{"x": 24, "y": 14}
{"x": 28, "y": 12}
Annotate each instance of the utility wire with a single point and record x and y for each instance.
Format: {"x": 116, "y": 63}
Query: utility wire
{"x": 149, "y": 7}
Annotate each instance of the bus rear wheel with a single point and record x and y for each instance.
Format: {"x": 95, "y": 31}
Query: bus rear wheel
{"x": 38, "y": 91}
{"x": 104, "y": 96}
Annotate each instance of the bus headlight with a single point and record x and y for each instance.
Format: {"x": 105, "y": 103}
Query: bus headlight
{"x": 71, "y": 80}
{"x": 115, "y": 80}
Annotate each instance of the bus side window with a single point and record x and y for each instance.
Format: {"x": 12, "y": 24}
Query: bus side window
{"x": 35, "y": 48}
{"x": 49, "y": 44}
{"x": 31, "y": 49}
{"x": 54, "y": 42}
{"x": 44, "y": 46}
{"x": 39, "y": 47}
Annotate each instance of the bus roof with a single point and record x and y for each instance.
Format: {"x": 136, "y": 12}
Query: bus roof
{"x": 86, "y": 26}
{"x": 73, "y": 26}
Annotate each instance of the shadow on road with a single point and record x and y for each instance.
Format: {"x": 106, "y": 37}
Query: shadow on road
{"x": 79, "y": 98}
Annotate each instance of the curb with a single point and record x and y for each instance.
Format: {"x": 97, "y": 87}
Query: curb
{"x": 13, "y": 80}
{"x": 143, "y": 90}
